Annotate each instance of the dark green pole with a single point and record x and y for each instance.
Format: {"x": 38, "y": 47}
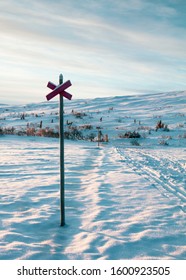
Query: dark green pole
{"x": 62, "y": 173}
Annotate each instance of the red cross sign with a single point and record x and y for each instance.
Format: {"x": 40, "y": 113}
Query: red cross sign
{"x": 60, "y": 89}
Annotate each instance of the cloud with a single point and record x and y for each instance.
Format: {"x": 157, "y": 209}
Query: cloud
{"x": 85, "y": 41}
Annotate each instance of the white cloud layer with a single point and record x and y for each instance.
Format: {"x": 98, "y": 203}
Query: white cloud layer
{"x": 103, "y": 47}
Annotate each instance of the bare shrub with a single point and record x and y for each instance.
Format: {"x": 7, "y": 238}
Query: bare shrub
{"x": 23, "y": 116}
{"x": 90, "y": 137}
{"x": 161, "y": 125}
{"x": 1, "y": 131}
{"x": 47, "y": 132}
{"x": 40, "y": 132}
{"x": 86, "y": 127}
{"x": 69, "y": 123}
{"x": 9, "y": 130}
{"x": 21, "y": 133}
{"x": 73, "y": 134}
{"x": 52, "y": 133}
{"x": 130, "y": 134}
{"x": 30, "y": 131}
{"x": 106, "y": 138}
{"x": 78, "y": 114}
{"x": 166, "y": 128}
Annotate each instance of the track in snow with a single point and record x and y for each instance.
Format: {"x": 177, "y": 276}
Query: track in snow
{"x": 164, "y": 170}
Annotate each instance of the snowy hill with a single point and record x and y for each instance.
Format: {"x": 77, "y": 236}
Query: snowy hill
{"x": 114, "y": 116}
{"x": 125, "y": 199}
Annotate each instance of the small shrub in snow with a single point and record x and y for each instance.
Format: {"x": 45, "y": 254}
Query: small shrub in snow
{"x": 73, "y": 134}
{"x": 106, "y": 138}
{"x": 130, "y": 134}
{"x": 47, "y": 132}
{"x": 99, "y": 127}
{"x": 90, "y": 137}
{"x": 52, "y": 133}
{"x": 162, "y": 126}
{"x": 21, "y": 133}
{"x": 166, "y": 128}
{"x": 23, "y": 116}
{"x": 1, "y": 131}
{"x": 30, "y": 131}
{"x": 78, "y": 115}
{"x": 86, "y": 126}
{"x": 9, "y": 130}
{"x": 159, "y": 125}
{"x": 69, "y": 123}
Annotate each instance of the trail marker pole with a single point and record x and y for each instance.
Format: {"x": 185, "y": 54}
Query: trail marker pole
{"x": 62, "y": 167}
{"x": 60, "y": 89}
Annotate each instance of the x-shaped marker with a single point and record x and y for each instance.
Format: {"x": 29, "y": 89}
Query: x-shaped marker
{"x": 60, "y": 89}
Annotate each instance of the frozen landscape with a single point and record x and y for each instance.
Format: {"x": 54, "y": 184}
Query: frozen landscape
{"x": 125, "y": 199}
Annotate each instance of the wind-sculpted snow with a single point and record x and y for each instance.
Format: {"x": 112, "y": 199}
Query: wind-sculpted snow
{"x": 113, "y": 211}
{"x": 124, "y": 199}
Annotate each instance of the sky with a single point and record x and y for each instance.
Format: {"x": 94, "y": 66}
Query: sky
{"x": 104, "y": 47}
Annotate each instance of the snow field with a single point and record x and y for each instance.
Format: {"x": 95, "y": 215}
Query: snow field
{"x": 122, "y": 201}
{"x": 112, "y": 212}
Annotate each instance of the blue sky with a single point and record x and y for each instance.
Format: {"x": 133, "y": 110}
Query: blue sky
{"x": 105, "y": 47}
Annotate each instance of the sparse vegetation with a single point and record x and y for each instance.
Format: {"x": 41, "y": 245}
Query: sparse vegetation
{"x": 9, "y": 130}
{"x": 73, "y": 134}
{"x": 130, "y": 134}
{"x": 90, "y": 137}
{"x": 79, "y": 115}
{"x": 161, "y": 125}
{"x": 86, "y": 127}
{"x": 81, "y": 123}
{"x": 30, "y": 131}
{"x": 1, "y": 131}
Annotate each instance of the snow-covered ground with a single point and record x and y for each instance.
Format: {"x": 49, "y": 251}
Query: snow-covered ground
{"x": 125, "y": 199}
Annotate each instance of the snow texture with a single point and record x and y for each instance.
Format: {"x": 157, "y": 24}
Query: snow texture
{"x": 123, "y": 199}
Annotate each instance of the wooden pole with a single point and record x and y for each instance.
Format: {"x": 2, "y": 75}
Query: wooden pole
{"x": 62, "y": 173}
